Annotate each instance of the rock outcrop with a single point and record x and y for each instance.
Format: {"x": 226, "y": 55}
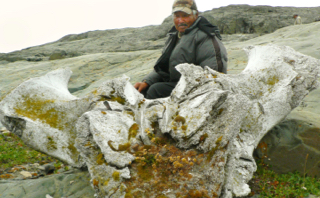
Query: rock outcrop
{"x": 197, "y": 142}
{"x": 232, "y": 19}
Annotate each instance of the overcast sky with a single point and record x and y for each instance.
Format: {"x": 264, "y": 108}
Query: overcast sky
{"x": 26, "y": 23}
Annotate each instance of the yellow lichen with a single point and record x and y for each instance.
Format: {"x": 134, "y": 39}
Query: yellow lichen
{"x": 73, "y": 149}
{"x": 121, "y": 147}
{"x": 141, "y": 102}
{"x": 133, "y": 131}
{"x": 51, "y": 145}
{"x": 184, "y": 127}
{"x": 180, "y": 119}
{"x": 118, "y": 99}
{"x": 105, "y": 183}
{"x": 203, "y": 137}
{"x": 95, "y": 183}
{"x": 39, "y": 109}
{"x": 116, "y": 176}
{"x": 272, "y": 80}
{"x": 100, "y": 159}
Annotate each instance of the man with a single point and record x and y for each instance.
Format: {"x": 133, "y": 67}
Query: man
{"x": 298, "y": 19}
{"x": 192, "y": 40}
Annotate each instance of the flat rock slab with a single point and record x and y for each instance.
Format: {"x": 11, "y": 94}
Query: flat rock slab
{"x": 72, "y": 185}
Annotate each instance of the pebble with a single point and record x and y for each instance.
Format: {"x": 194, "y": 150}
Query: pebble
{"x": 4, "y": 130}
{"x": 26, "y": 174}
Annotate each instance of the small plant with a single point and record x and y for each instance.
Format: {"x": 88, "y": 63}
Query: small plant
{"x": 15, "y": 152}
{"x": 267, "y": 183}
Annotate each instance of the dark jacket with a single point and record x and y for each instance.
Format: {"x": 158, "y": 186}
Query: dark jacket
{"x": 196, "y": 46}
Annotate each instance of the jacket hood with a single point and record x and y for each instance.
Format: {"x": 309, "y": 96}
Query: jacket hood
{"x": 204, "y": 25}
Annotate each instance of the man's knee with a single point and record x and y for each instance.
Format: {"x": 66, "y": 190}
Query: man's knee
{"x": 160, "y": 90}
{"x": 154, "y": 92}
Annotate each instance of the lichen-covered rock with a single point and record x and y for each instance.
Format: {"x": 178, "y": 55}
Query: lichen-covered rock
{"x": 198, "y": 142}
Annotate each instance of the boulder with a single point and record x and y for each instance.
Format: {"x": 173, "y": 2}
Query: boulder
{"x": 197, "y": 142}
{"x": 292, "y": 146}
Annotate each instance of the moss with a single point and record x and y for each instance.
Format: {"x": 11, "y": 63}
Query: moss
{"x": 194, "y": 193}
{"x": 161, "y": 196}
{"x": 150, "y": 159}
{"x": 154, "y": 173}
{"x": 116, "y": 176}
{"x": 145, "y": 172}
{"x": 133, "y": 131}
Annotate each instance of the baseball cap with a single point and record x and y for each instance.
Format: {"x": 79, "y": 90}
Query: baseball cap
{"x": 184, "y": 6}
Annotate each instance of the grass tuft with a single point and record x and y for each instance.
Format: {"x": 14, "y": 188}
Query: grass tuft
{"x": 267, "y": 183}
{"x": 15, "y": 152}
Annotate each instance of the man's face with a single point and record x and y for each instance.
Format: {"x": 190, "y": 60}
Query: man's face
{"x": 183, "y": 21}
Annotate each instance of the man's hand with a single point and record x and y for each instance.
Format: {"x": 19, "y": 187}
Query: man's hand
{"x": 140, "y": 86}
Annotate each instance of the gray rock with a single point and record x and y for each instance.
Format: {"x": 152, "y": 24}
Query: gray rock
{"x": 73, "y": 185}
{"x": 292, "y": 146}
{"x": 48, "y": 168}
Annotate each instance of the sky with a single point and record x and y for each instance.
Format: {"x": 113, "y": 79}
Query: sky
{"x": 27, "y": 23}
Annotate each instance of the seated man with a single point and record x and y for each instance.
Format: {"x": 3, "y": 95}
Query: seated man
{"x": 192, "y": 40}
